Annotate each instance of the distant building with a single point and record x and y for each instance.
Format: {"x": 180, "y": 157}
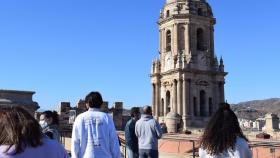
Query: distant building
{"x": 67, "y": 114}
{"x": 271, "y": 123}
{"x": 19, "y": 98}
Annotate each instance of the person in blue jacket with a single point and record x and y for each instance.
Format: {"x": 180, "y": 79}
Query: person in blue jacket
{"x": 131, "y": 140}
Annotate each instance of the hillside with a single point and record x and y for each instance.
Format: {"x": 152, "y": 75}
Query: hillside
{"x": 257, "y": 108}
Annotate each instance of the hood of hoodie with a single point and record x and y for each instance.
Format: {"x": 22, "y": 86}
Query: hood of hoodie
{"x": 146, "y": 117}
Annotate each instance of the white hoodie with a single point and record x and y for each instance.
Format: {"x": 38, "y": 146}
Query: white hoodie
{"x": 242, "y": 150}
{"x": 94, "y": 136}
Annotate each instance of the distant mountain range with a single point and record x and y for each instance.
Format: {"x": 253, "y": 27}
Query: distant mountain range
{"x": 257, "y": 108}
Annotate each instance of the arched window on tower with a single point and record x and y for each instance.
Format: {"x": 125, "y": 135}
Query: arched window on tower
{"x": 200, "y": 12}
{"x": 210, "y": 107}
{"x": 168, "y": 101}
{"x": 162, "y": 107}
{"x": 202, "y": 103}
{"x": 194, "y": 106}
{"x": 168, "y": 41}
{"x": 200, "y": 39}
{"x": 181, "y": 39}
{"x": 167, "y": 13}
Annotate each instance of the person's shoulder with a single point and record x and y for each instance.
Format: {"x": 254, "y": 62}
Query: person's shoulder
{"x": 81, "y": 116}
{"x": 202, "y": 152}
{"x": 128, "y": 123}
{"x": 241, "y": 142}
{"x": 52, "y": 144}
{"x": 154, "y": 121}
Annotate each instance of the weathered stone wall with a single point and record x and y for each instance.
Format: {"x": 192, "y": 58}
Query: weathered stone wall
{"x": 19, "y": 98}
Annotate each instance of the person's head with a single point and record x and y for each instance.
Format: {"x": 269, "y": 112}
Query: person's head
{"x": 147, "y": 110}
{"x": 135, "y": 113}
{"x": 94, "y": 100}
{"x": 221, "y": 131}
{"x": 49, "y": 118}
{"x": 19, "y": 129}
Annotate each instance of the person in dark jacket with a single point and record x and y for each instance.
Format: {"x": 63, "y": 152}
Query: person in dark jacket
{"x": 49, "y": 121}
{"x": 131, "y": 140}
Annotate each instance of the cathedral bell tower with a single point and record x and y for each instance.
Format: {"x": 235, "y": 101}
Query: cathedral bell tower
{"x": 187, "y": 79}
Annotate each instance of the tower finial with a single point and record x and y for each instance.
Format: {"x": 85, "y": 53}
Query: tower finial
{"x": 221, "y": 67}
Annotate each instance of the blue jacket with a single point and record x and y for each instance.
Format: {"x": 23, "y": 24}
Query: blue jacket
{"x": 131, "y": 140}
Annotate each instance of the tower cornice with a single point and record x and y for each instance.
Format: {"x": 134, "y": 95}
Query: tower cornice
{"x": 186, "y": 16}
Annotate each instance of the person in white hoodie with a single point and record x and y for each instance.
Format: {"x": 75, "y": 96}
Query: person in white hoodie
{"x": 94, "y": 134}
{"x": 148, "y": 131}
{"x": 223, "y": 138}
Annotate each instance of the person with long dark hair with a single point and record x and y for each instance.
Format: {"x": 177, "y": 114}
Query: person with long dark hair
{"x": 49, "y": 121}
{"x": 223, "y": 137}
{"x": 21, "y": 136}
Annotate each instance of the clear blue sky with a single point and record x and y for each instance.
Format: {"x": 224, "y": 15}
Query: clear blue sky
{"x": 62, "y": 49}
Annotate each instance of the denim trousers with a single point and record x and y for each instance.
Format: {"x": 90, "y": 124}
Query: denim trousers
{"x": 148, "y": 153}
{"x": 130, "y": 153}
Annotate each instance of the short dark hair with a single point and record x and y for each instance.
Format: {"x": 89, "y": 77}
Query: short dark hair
{"x": 19, "y": 129}
{"x": 134, "y": 111}
{"x": 147, "y": 110}
{"x": 94, "y": 100}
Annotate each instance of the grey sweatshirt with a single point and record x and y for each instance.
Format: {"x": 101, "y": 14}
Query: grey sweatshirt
{"x": 148, "y": 131}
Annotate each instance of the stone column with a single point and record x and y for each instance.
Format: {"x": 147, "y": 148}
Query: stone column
{"x": 156, "y": 100}
{"x": 179, "y": 97}
{"x": 185, "y": 102}
{"x": 216, "y": 96}
{"x": 212, "y": 48}
{"x": 165, "y": 105}
{"x": 222, "y": 91}
{"x": 189, "y": 99}
{"x": 153, "y": 98}
{"x": 175, "y": 39}
{"x": 187, "y": 39}
{"x": 161, "y": 41}
{"x": 174, "y": 107}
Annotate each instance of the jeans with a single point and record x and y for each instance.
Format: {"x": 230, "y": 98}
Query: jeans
{"x": 148, "y": 153}
{"x": 130, "y": 153}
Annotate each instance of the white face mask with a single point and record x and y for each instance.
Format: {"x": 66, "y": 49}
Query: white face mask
{"x": 43, "y": 124}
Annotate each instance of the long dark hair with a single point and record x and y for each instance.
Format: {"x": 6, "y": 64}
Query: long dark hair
{"x": 52, "y": 114}
{"x": 19, "y": 129}
{"x": 221, "y": 131}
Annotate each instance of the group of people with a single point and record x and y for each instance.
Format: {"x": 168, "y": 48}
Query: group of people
{"x": 142, "y": 134}
{"x": 94, "y": 134}
{"x": 21, "y": 136}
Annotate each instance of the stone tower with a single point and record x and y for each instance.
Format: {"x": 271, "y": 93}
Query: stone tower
{"x": 187, "y": 79}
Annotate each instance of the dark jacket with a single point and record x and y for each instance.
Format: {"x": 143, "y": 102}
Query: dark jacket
{"x": 52, "y": 132}
{"x": 131, "y": 140}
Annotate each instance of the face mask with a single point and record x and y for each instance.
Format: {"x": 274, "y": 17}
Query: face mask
{"x": 43, "y": 124}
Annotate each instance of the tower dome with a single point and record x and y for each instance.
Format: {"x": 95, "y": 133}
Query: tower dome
{"x": 174, "y": 1}
{"x": 170, "y": 1}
